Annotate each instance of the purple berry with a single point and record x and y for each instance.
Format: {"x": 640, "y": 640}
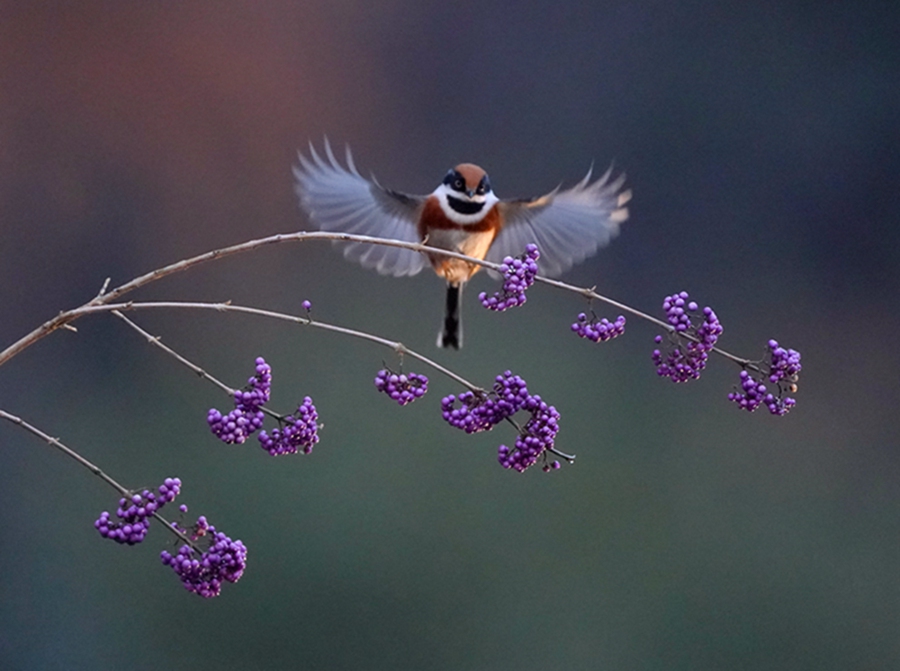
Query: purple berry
{"x": 482, "y": 412}
{"x": 247, "y": 417}
{"x": 537, "y": 436}
{"x": 298, "y": 432}
{"x": 689, "y": 345}
{"x": 782, "y": 370}
{"x": 135, "y": 512}
{"x": 204, "y": 573}
{"x": 598, "y": 330}
{"x": 518, "y": 275}
{"x": 473, "y": 412}
{"x": 403, "y": 388}
{"x": 752, "y": 393}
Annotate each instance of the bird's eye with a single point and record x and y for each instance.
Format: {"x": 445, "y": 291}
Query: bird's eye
{"x": 458, "y": 185}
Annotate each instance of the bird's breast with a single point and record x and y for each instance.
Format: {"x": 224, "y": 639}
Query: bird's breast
{"x": 472, "y": 239}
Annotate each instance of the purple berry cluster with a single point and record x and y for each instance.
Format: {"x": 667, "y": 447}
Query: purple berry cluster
{"x": 481, "y": 412}
{"x": 135, "y": 513}
{"x": 473, "y": 412}
{"x": 518, "y": 275}
{"x": 403, "y": 388}
{"x": 686, "y": 356}
{"x": 536, "y": 437}
{"x": 598, "y": 330}
{"x": 247, "y": 417}
{"x": 299, "y": 432}
{"x": 752, "y": 393}
{"x": 204, "y": 574}
{"x": 785, "y": 364}
{"x": 783, "y": 371}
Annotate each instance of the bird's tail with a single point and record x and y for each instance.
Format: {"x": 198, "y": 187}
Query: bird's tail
{"x": 450, "y": 334}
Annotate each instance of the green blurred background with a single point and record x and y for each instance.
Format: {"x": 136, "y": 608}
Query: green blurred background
{"x": 761, "y": 142}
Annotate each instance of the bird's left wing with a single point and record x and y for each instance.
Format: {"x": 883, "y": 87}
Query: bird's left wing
{"x": 567, "y": 226}
{"x": 340, "y": 200}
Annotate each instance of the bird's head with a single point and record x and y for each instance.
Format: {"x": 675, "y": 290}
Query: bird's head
{"x": 467, "y": 182}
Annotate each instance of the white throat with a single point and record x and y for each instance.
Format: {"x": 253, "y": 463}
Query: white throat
{"x": 443, "y": 192}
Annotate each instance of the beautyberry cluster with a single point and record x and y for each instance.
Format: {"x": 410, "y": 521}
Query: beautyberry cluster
{"x": 783, "y": 371}
{"x": 246, "y": 418}
{"x": 482, "y": 411}
{"x": 135, "y": 513}
{"x": 536, "y": 437}
{"x": 403, "y": 388}
{"x": 299, "y": 432}
{"x": 204, "y": 574}
{"x": 686, "y": 356}
{"x": 752, "y": 393}
{"x": 518, "y": 275}
{"x": 598, "y": 330}
{"x": 785, "y": 364}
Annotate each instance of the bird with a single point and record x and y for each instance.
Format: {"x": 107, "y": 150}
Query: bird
{"x": 463, "y": 215}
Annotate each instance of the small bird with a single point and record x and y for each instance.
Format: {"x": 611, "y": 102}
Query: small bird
{"x": 462, "y": 215}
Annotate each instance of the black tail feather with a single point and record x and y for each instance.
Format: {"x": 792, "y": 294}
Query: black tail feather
{"x": 451, "y": 333}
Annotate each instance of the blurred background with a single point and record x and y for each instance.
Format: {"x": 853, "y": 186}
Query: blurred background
{"x": 762, "y": 144}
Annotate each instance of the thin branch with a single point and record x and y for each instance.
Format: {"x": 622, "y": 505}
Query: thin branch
{"x": 590, "y": 293}
{"x": 104, "y": 297}
{"x": 156, "y": 341}
{"x": 93, "y": 468}
{"x": 568, "y": 457}
{"x": 398, "y": 347}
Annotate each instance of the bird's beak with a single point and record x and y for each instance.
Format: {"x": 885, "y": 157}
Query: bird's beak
{"x": 470, "y": 192}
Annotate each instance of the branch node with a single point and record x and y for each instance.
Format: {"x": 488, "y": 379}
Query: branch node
{"x": 103, "y": 289}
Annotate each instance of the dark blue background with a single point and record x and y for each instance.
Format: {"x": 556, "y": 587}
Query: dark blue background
{"x": 761, "y": 142}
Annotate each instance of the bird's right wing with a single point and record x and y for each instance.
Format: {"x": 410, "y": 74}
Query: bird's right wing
{"x": 340, "y": 200}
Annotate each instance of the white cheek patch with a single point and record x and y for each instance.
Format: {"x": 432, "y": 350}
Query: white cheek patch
{"x": 442, "y": 192}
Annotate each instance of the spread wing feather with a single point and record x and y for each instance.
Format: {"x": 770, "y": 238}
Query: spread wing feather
{"x": 567, "y": 226}
{"x": 340, "y": 200}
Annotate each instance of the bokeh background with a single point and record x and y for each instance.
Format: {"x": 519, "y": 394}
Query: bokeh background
{"x": 762, "y": 142}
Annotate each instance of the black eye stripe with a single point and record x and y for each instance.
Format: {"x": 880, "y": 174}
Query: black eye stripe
{"x": 455, "y": 181}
